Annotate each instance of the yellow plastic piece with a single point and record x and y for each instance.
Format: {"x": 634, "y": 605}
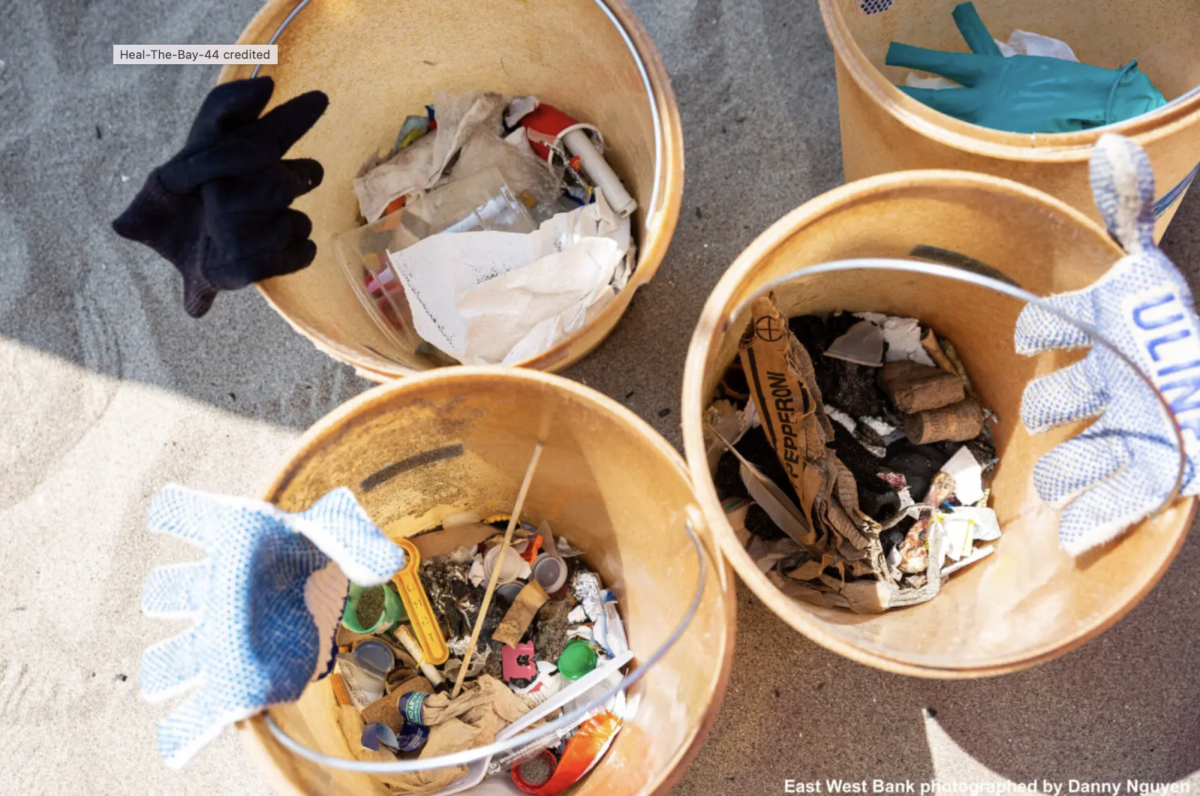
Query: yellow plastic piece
{"x": 420, "y": 612}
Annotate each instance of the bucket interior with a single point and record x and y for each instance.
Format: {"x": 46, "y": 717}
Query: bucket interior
{"x": 1029, "y": 600}
{"x": 1161, "y": 36}
{"x": 380, "y": 60}
{"x": 418, "y": 450}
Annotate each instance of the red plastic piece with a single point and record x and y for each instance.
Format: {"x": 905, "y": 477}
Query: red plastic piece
{"x": 546, "y": 122}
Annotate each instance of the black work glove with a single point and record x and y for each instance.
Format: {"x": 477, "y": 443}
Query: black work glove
{"x": 218, "y": 210}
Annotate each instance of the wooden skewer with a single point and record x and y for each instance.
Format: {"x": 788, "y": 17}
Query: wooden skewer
{"x": 491, "y": 587}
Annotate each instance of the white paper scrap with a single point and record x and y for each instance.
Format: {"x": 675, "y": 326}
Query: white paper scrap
{"x": 862, "y": 344}
{"x": 987, "y": 526}
{"x": 967, "y": 474}
{"x": 982, "y": 552}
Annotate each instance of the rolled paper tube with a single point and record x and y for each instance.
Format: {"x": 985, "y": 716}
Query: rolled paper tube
{"x": 601, "y": 173}
{"x": 956, "y": 423}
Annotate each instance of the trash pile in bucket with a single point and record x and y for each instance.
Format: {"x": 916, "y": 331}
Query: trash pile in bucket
{"x": 494, "y": 229}
{"x": 853, "y": 457}
{"x": 551, "y": 640}
{"x": 1029, "y": 84}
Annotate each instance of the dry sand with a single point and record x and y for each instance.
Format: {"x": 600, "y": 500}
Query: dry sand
{"x": 107, "y": 391}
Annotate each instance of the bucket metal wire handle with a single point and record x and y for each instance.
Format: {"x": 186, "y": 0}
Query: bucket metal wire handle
{"x": 637, "y": 59}
{"x": 523, "y": 739}
{"x": 979, "y": 280}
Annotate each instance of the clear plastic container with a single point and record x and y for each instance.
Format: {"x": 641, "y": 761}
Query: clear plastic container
{"x": 482, "y": 202}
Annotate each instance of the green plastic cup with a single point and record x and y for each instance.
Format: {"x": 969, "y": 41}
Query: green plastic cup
{"x": 577, "y": 659}
{"x": 391, "y": 615}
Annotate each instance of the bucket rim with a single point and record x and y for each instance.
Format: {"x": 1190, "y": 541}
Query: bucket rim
{"x": 1052, "y": 148}
{"x": 255, "y": 732}
{"x": 658, "y": 227}
{"x": 710, "y": 330}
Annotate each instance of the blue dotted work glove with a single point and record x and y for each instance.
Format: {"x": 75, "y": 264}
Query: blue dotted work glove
{"x": 1124, "y": 465}
{"x": 266, "y": 604}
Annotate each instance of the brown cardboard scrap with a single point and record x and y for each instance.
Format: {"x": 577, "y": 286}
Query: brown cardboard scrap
{"x": 400, "y": 676}
{"x": 784, "y": 389}
{"x": 439, "y": 543}
{"x": 348, "y": 638}
{"x": 520, "y": 614}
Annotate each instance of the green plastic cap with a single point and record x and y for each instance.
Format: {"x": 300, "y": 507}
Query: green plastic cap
{"x": 577, "y": 659}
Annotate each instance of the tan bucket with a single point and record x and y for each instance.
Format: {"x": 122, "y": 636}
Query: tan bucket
{"x": 1029, "y": 601}
{"x": 883, "y": 130}
{"x": 606, "y": 481}
{"x": 380, "y": 60}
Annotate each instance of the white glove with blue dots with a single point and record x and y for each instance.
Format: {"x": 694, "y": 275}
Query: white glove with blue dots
{"x": 266, "y": 605}
{"x": 1124, "y": 465}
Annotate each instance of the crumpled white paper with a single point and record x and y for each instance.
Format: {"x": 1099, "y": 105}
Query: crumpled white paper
{"x": 491, "y": 298}
{"x": 967, "y": 474}
{"x": 1021, "y": 42}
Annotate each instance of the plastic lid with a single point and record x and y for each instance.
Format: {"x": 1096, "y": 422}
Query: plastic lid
{"x": 577, "y": 659}
{"x": 550, "y": 572}
{"x": 375, "y": 655}
{"x": 513, "y": 564}
{"x": 509, "y": 591}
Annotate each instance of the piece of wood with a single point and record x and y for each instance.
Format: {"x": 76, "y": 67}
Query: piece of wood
{"x": 955, "y": 423}
{"x": 491, "y": 587}
{"x": 914, "y": 387}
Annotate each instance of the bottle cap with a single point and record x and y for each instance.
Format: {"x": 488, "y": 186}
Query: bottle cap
{"x": 577, "y": 659}
{"x": 532, "y": 773}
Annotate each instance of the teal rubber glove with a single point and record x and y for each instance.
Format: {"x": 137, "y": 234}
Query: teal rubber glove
{"x": 1024, "y": 93}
